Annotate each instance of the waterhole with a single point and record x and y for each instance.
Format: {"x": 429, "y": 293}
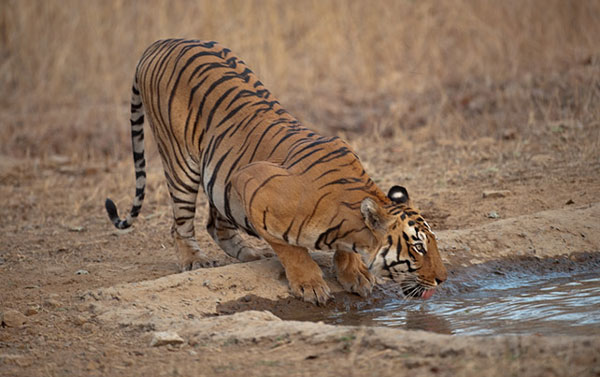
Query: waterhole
{"x": 519, "y": 296}
{"x": 528, "y": 296}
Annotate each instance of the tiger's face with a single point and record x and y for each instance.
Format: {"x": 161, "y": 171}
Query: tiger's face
{"x": 407, "y": 251}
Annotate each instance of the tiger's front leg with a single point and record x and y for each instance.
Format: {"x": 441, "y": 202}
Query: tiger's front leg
{"x": 352, "y": 273}
{"x": 303, "y": 274}
{"x": 265, "y": 190}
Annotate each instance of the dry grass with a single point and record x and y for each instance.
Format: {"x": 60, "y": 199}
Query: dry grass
{"x": 351, "y": 65}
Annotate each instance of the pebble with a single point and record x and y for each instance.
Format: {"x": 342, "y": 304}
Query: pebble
{"x": 496, "y": 193}
{"x": 541, "y": 159}
{"x": 82, "y": 272}
{"x": 161, "y": 338}
{"x": 13, "y": 318}
{"x": 31, "y": 311}
{"x": 51, "y": 303}
{"x": 493, "y": 215}
{"x": 80, "y": 320}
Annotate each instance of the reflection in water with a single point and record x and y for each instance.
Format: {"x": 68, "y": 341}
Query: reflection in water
{"x": 424, "y": 320}
{"x": 513, "y": 302}
{"x": 411, "y": 318}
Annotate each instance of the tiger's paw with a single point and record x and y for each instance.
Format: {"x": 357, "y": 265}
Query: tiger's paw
{"x": 315, "y": 290}
{"x": 198, "y": 262}
{"x": 190, "y": 255}
{"x": 353, "y": 274}
{"x": 248, "y": 254}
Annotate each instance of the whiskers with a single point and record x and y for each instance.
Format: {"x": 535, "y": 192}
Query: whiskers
{"x": 413, "y": 287}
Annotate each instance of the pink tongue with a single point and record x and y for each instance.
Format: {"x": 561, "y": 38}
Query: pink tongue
{"x": 427, "y": 294}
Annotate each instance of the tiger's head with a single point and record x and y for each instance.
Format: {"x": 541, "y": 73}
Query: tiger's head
{"x": 405, "y": 249}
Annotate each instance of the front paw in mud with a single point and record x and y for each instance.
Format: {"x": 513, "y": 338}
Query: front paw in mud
{"x": 353, "y": 274}
{"x": 303, "y": 274}
{"x": 309, "y": 287}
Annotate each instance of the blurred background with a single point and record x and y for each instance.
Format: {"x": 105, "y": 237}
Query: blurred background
{"x": 452, "y": 69}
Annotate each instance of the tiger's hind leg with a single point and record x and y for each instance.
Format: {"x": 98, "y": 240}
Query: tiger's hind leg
{"x": 226, "y": 235}
{"x": 184, "y": 192}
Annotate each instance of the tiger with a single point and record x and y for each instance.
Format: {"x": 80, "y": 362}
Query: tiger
{"x": 218, "y": 128}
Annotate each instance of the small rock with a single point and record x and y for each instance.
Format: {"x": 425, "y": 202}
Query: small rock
{"x": 13, "y": 318}
{"x": 31, "y": 311}
{"x": 59, "y": 159}
{"x": 82, "y": 272}
{"x": 569, "y": 202}
{"x": 92, "y": 365}
{"x": 161, "y": 338}
{"x": 77, "y": 229}
{"x": 206, "y": 283}
{"x": 493, "y": 215}
{"x": 509, "y": 134}
{"x": 496, "y": 193}
{"x": 51, "y": 303}
{"x": 541, "y": 159}
{"x": 80, "y": 320}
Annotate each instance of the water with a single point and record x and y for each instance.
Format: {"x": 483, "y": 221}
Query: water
{"x": 526, "y": 297}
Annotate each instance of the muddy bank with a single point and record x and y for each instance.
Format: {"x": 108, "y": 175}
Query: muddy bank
{"x": 205, "y": 292}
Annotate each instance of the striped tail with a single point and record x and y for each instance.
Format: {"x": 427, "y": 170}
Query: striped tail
{"x": 137, "y": 143}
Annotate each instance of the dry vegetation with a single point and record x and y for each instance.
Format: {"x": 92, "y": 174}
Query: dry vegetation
{"x": 445, "y": 97}
{"x": 66, "y": 66}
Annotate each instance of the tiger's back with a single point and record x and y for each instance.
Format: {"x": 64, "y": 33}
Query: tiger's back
{"x": 217, "y": 127}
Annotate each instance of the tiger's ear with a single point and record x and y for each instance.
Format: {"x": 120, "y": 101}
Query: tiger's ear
{"x": 375, "y": 217}
{"x": 398, "y": 194}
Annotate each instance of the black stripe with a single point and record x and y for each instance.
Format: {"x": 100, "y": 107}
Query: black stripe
{"x": 307, "y": 219}
{"x": 211, "y": 183}
{"x": 138, "y": 121}
{"x": 341, "y": 181}
{"x": 137, "y": 133}
{"x": 285, "y": 234}
{"x": 135, "y": 210}
{"x": 338, "y": 153}
{"x": 323, "y": 236}
{"x": 251, "y": 201}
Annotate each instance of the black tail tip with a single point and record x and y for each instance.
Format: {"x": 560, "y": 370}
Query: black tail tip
{"x": 111, "y": 208}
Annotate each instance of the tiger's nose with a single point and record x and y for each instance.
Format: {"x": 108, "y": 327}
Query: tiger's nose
{"x": 440, "y": 281}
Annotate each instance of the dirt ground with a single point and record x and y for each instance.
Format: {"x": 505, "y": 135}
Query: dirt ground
{"x": 89, "y": 298}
